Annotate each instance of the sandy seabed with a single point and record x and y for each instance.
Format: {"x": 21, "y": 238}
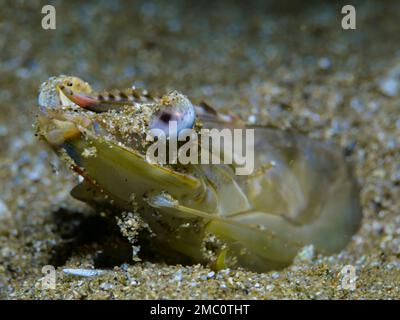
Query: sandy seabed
{"x": 273, "y": 63}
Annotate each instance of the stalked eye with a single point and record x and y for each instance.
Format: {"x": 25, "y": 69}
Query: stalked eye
{"x": 175, "y": 114}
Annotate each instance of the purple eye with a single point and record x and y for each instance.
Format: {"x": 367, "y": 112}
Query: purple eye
{"x": 176, "y": 113}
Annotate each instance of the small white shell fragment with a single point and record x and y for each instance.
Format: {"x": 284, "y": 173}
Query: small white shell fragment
{"x": 163, "y": 200}
{"x": 89, "y": 152}
{"x": 4, "y": 211}
{"x": 252, "y": 119}
{"x": 83, "y": 272}
{"x": 389, "y": 86}
{"x": 324, "y": 63}
{"x": 305, "y": 254}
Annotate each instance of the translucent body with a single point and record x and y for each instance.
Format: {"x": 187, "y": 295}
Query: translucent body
{"x": 301, "y": 192}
